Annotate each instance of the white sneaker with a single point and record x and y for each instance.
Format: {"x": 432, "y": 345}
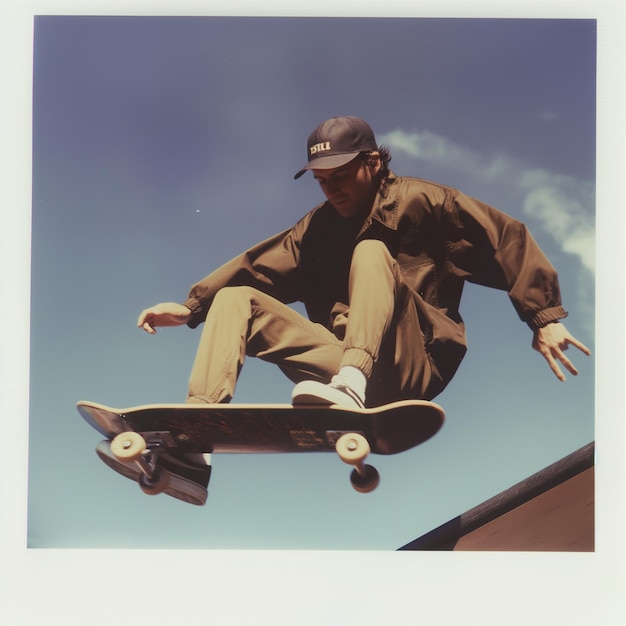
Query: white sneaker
{"x": 335, "y": 392}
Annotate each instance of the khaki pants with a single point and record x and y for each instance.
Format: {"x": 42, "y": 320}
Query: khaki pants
{"x": 379, "y": 334}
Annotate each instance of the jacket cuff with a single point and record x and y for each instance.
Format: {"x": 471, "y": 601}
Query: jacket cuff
{"x": 547, "y": 316}
{"x": 197, "y": 313}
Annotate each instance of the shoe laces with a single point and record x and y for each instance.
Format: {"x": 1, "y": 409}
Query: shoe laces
{"x": 342, "y": 386}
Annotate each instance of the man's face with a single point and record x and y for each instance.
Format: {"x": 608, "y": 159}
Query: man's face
{"x": 350, "y": 188}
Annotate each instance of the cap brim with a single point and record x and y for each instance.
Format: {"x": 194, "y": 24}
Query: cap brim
{"x": 328, "y": 162}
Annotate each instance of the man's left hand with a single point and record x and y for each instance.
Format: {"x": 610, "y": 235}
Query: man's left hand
{"x": 551, "y": 342}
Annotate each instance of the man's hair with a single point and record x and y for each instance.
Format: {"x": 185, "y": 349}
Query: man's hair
{"x": 385, "y": 157}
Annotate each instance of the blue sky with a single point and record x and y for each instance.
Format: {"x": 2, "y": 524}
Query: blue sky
{"x": 162, "y": 147}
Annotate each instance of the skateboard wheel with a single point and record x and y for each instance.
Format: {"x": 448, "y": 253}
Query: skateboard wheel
{"x": 128, "y": 446}
{"x": 352, "y": 448}
{"x": 155, "y": 485}
{"x": 367, "y": 482}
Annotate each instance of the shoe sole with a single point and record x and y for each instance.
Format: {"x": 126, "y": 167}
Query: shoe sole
{"x": 178, "y": 486}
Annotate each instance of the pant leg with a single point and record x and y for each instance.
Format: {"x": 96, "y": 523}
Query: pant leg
{"x": 372, "y": 296}
{"x": 383, "y": 336}
{"x": 404, "y": 369}
{"x": 243, "y": 321}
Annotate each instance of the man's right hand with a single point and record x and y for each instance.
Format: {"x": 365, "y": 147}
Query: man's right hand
{"x": 164, "y": 314}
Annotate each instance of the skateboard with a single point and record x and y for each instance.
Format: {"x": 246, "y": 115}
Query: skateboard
{"x": 140, "y": 435}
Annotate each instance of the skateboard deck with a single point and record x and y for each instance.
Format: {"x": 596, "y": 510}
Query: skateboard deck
{"x": 263, "y": 428}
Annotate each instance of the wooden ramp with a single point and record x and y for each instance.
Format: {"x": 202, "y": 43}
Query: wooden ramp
{"x": 552, "y": 510}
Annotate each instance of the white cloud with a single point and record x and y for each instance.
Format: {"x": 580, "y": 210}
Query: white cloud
{"x": 560, "y": 205}
{"x": 430, "y": 147}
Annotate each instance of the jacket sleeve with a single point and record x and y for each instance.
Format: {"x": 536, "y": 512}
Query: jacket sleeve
{"x": 270, "y": 266}
{"x": 489, "y": 248}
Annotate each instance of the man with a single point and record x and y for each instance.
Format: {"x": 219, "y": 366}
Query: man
{"x": 380, "y": 267}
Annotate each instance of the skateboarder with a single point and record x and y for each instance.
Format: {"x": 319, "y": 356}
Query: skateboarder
{"x": 380, "y": 267}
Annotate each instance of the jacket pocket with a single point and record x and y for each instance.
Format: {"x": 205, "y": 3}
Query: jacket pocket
{"x": 420, "y": 275}
{"x": 444, "y": 339}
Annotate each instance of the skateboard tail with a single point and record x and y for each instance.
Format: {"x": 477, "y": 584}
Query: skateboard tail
{"x": 106, "y": 421}
{"x": 401, "y": 431}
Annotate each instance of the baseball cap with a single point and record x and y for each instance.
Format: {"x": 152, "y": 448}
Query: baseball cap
{"x": 336, "y": 142}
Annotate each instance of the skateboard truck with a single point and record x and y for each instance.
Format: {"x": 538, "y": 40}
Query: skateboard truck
{"x": 131, "y": 448}
{"x": 353, "y": 449}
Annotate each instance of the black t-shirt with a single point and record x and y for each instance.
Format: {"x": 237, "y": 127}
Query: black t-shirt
{"x": 325, "y": 257}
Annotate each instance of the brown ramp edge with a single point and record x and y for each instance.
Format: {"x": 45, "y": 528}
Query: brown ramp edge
{"x": 552, "y": 510}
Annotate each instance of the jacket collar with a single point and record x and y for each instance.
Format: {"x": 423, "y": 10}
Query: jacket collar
{"x": 385, "y": 206}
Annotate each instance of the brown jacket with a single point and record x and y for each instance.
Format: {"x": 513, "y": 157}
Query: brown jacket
{"x": 440, "y": 238}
